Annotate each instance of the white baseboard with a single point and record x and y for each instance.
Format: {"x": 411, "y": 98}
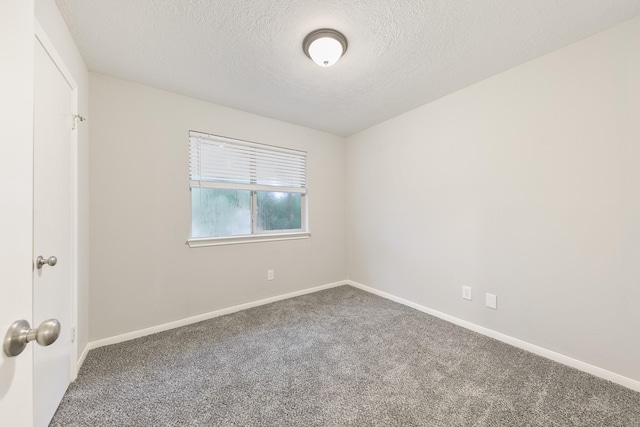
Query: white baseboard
{"x": 195, "y": 319}
{"x": 83, "y": 357}
{"x": 540, "y": 351}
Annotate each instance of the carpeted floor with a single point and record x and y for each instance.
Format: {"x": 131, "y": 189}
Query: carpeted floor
{"x": 340, "y": 357}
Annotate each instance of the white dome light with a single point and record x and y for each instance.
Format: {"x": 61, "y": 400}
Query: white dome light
{"x": 324, "y": 46}
{"x": 325, "y": 51}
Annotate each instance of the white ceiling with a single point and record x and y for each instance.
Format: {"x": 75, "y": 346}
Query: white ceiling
{"x": 247, "y": 54}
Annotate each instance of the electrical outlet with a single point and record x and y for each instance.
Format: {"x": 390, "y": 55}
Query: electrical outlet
{"x": 270, "y": 274}
{"x": 491, "y": 301}
{"x": 466, "y": 292}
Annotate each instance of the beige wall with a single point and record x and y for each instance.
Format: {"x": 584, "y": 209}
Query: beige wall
{"x": 142, "y": 272}
{"x": 526, "y": 185}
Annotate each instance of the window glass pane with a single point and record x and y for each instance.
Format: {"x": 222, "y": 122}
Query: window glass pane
{"x": 279, "y": 211}
{"x": 216, "y": 212}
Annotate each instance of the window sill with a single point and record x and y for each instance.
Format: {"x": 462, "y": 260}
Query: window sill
{"x": 235, "y": 240}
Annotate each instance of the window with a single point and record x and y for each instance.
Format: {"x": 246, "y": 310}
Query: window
{"x": 243, "y": 191}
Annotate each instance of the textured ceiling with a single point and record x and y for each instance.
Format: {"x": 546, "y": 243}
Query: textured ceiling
{"x": 247, "y": 54}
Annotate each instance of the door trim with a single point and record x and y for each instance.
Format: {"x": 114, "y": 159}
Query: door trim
{"x": 48, "y": 46}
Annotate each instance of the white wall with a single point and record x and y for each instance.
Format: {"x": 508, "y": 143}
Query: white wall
{"x": 526, "y": 185}
{"x": 142, "y": 272}
{"x": 48, "y": 16}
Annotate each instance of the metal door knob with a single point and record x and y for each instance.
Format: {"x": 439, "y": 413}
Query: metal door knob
{"x": 20, "y": 334}
{"x": 40, "y": 261}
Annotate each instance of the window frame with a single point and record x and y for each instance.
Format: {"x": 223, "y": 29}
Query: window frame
{"x": 255, "y": 235}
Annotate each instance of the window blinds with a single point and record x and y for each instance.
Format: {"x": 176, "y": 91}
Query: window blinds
{"x": 219, "y": 162}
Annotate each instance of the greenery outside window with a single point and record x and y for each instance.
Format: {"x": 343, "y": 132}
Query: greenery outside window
{"x": 243, "y": 191}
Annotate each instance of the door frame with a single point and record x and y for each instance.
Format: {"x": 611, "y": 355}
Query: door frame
{"x": 42, "y": 38}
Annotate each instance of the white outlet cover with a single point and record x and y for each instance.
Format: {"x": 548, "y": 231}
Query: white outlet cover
{"x": 491, "y": 301}
{"x": 466, "y": 292}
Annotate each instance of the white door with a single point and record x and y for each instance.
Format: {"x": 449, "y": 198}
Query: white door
{"x": 16, "y": 203}
{"x": 52, "y": 230}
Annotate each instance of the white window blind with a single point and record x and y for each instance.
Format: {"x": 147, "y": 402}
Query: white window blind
{"x": 219, "y": 162}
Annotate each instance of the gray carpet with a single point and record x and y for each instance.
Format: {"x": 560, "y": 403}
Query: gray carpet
{"x": 340, "y": 357}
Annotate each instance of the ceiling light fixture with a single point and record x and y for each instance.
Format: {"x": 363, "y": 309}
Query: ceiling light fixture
{"x": 325, "y": 46}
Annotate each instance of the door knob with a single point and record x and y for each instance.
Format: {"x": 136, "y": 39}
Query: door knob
{"x": 20, "y": 334}
{"x": 40, "y": 261}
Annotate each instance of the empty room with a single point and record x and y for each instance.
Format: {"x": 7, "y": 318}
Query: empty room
{"x": 320, "y": 213}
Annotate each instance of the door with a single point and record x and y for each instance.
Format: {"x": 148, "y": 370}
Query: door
{"x": 53, "y": 232}
{"x": 16, "y": 203}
